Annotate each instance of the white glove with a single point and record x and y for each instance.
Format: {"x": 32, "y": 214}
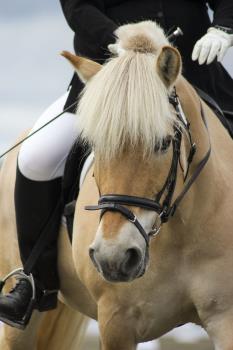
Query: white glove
{"x": 213, "y": 44}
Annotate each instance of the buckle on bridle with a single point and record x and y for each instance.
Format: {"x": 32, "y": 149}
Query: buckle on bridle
{"x": 133, "y": 220}
{"x": 157, "y": 226}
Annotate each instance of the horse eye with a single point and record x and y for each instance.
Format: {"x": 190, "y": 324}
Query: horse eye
{"x": 163, "y": 147}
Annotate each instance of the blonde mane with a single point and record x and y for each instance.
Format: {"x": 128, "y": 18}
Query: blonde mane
{"x": 126, "y": 102}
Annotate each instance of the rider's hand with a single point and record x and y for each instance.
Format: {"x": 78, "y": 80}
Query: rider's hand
{"x": 213, "y": 44}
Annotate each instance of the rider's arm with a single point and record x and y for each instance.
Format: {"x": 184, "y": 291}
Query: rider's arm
{"x": 223, "y": 12}
{"x": 93, "y": 29}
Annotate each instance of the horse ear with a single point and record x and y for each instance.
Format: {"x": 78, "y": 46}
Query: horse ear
{"x": 169, "y": 65}
{"x": 84, "y": 67}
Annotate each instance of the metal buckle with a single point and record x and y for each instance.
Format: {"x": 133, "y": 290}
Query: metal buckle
{"x": 157, "y": 226}
{"x": 134, "y": 219}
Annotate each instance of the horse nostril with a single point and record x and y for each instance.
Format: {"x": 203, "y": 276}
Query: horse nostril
{"x": 93, "y": 258}
{"x": 92, "y": 253}
{"x": 132, "y": 259}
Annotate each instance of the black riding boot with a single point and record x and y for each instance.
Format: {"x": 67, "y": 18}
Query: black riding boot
{"x": 35, "y": 202}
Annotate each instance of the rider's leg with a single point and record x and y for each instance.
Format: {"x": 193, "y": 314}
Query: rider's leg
{"x": 41, "y": 164}
{"x": 35, "y": 203}
{"x": 43, "y": 156}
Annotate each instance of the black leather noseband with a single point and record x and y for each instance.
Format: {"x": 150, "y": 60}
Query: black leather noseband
{"x": 165, "y": 210}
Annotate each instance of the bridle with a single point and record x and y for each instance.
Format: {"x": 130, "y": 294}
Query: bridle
{"x": 167, "y": 207}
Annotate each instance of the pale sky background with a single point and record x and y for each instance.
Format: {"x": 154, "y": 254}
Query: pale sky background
{"x": 33, "y": 75}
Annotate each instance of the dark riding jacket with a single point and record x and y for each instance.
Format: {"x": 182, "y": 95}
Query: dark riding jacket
{"x": 94, "y": 21}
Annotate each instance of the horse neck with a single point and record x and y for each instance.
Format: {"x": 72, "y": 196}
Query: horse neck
{"x": 203, "y": 197}
{"x": 221, "y": 142}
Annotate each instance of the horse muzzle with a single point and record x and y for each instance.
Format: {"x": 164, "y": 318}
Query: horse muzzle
{"x": 120, "y": 267}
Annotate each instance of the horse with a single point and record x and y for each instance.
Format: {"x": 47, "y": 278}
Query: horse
{"x": 159, "y": 254}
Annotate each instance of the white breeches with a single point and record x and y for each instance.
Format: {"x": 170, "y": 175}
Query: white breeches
{"x": 43, "y": 156}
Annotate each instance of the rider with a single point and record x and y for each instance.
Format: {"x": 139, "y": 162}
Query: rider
{"x": 42, "y": 158}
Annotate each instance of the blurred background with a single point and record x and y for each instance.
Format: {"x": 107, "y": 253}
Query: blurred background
{"x": 33, "y": 75}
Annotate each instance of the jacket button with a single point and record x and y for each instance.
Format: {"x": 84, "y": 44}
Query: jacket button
{"x": 159, "y": 14}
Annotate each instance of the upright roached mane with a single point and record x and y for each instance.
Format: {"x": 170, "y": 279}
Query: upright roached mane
{"x": 126, "y": 102}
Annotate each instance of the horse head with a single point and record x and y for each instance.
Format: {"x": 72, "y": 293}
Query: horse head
{"x": 125, "y": 115}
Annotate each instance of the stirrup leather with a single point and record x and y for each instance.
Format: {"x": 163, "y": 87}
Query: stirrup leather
{"x": 20, "y": 273}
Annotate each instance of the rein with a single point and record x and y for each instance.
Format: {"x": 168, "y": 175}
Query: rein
{"x": 166, "y": 209}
